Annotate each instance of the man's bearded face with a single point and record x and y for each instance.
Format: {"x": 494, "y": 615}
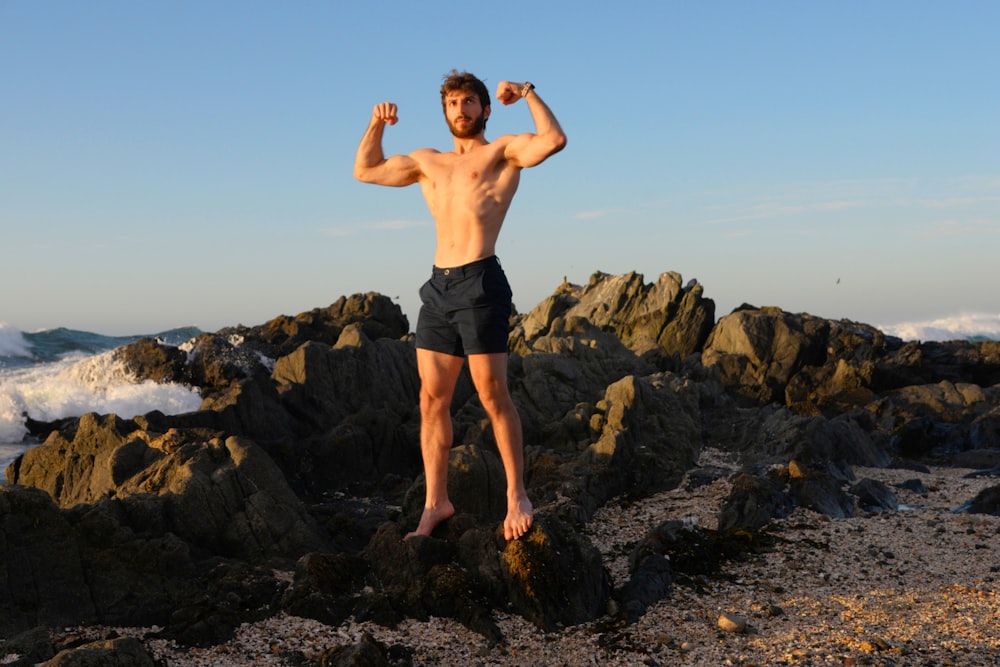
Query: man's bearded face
{"x": 463, "y": 126}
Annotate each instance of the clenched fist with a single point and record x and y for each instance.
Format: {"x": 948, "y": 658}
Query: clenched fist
{"x": 386, "y": 112}
{"x": 509, "y": 92}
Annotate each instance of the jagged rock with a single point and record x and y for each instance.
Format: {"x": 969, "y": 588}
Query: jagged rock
{"x": 614, "y": 399}
{"x": 650, "y": 436}
{"x": 755, "y": 500}
{"x": 935, "y": 420}
{"x": 64, "y": 568}
{"x": 148, "y": 359}
{"x": 44, "y": 581}
{"x": 214, "y": 362}
{"x": 376, "y": 314}
{"x": 322, "y": 385}
{"x": 758, "y": 351}
{"x": 573, "y": 362}
{"x": 223, "y": 496}
{"x": 663, "y": 318}
{"x": 920, "y": 363}
{"x": 772, "y": 435}
{"x": 249, "y": 407}
{"x": 83, "y": 461}
{"x": 476, "y": 485}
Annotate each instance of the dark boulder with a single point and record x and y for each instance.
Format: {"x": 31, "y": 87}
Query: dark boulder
{"x": 376, "y": 314}
{"x": 753, "y": 502}
{"x": 874, "y": 496}
{"x": 222, "y": 496}
{"x": 986, "y": 501}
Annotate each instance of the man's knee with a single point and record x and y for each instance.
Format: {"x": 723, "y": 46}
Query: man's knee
{"x": 431, "y": 402}
{"x": 496, "y": 400}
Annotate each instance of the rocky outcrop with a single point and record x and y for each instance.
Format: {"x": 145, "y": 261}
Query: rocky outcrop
{"x": 661, "y": 319}
{"x": 305, "y": 455}
{"x": 223, "y": 496}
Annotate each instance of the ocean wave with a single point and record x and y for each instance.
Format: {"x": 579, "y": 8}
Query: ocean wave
{"x": 13, "y": 343}
{"x": 72, "y": 387}
{"x": 61, "y": 373}
{"x": 964, "y": 326}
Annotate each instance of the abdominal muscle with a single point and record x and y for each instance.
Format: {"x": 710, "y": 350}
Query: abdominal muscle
{"x": 468, "y": 215}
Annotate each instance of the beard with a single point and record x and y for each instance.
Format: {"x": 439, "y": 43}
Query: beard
{"x": 472, "y": 129}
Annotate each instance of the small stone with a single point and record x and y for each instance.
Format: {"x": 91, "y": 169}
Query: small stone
{"x": 732, "y": 623}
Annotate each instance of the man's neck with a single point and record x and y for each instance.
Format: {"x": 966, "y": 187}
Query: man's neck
{"x": 467, "y": 144}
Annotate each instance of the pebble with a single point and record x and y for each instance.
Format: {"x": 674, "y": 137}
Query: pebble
{"x": 732, "y": 623}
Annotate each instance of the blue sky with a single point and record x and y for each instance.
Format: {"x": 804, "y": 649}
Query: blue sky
{"x": 189, "y": 163}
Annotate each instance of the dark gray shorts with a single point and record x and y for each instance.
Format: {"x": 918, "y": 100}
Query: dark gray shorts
{"x": 466, "y": 309}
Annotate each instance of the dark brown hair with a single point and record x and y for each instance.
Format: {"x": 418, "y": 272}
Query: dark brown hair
{"x": 466, "y": 83}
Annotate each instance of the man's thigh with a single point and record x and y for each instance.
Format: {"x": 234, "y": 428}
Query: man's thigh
{"x": 438, "y": 372}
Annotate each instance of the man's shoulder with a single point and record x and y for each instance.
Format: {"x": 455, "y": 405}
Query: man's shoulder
{"x": 424, "y": 153}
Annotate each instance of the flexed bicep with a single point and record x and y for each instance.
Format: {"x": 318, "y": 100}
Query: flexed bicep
{"x": 370, "y": 163}
{"x": 394, "y": 171}
{"x": 528, "y": 150}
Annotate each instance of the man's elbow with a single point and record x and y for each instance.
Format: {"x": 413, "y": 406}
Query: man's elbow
{"x": 559, "y": 142}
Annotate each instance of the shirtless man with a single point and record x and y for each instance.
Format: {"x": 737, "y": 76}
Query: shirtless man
{"x": 467, "y": 301}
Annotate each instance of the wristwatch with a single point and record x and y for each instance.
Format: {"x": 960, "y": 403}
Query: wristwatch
{"x": 527, "y": 88}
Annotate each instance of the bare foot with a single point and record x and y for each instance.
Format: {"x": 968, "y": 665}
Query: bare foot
{"x": 519, "y": 518}
{"x": 430, "y": 519}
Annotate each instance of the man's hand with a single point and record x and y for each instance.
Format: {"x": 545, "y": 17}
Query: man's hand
{"x": 386, "y": 112}
{"x": 509, "y": 92}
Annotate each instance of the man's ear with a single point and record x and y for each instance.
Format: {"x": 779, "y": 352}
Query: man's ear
{"x": 486, "y": 112}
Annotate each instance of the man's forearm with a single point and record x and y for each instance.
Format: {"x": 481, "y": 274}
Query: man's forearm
{"x": 370, "y": 154}
{"x": 546, "y": 125}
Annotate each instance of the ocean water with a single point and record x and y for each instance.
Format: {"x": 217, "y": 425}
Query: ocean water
{"x": 65, "y": 373}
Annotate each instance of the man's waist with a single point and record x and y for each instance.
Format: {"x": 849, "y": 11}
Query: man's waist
{"x": 472, "y": 268}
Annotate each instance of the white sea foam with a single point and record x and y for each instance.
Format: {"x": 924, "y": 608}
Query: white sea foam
{"x": 13, "y": 343}
{"x": 963, "y": 326}
{"x": 76, "y": 385}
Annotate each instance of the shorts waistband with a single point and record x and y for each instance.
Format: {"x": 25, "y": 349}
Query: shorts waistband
{"x": 470, "y": 269}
